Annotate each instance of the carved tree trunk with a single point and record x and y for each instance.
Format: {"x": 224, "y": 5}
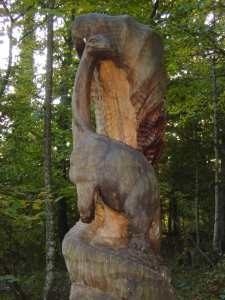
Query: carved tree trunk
{"x": 115, "y": 194}
{"x": 50, "y": 241}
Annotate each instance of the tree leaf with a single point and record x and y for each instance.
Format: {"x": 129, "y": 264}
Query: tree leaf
{"x": 37, "y": 204}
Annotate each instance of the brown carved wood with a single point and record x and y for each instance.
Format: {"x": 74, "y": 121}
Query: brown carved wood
{"x": 128, "y": 89}
{"x": 129, "y": 92}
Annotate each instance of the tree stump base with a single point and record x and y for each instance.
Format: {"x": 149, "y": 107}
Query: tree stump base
{"x": 103, "y": 273}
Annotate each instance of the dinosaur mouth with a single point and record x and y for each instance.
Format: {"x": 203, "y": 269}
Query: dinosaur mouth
{"x": 101, "y": 43}
{"x": 106, "y": 47}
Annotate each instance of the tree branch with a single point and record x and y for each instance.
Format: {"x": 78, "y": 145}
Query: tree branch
{"x": 11, "y": 44}
{"x": 198, "y": 248}
{"x": 9, "y": 67}
{"x": 31, "y": 31}
{"x": 154, "y": 9}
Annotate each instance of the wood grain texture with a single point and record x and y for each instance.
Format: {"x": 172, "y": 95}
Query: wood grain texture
{"x": 129, "y": 92}
{"x": 105, "y": 169}
{"x": 100, "y": 273}
{"x": 128, "y": 89}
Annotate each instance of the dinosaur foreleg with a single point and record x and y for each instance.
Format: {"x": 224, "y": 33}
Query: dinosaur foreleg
{"x": 86, "y": 202}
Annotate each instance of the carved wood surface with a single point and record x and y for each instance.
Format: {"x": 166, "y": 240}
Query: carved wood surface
{"x": 129, "y": 92}
{"x": 100, "y": 273}
{"x": 105, "y": 169}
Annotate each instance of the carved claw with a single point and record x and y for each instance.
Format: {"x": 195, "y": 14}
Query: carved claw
{"x": 139, "y": 243}
{"x": 87, "y": 218}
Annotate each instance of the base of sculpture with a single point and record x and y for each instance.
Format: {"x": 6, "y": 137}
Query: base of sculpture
{"x": 103, "y": 273}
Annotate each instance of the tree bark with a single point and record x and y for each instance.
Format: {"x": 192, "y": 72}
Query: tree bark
{"x": 9, "y": 66}
{"x": 216, "y": 151}
{"x": 63, "y": 226}
{"x": 222, "y": 193}
{"x": 50, "y": 241}
{"x": 170, "y": 218}
{"x": 154, "y": 9}
{"x": 197, "y": 201}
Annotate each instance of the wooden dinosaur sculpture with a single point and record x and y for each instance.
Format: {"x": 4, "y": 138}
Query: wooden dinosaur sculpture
{"x": 102, "y": 167}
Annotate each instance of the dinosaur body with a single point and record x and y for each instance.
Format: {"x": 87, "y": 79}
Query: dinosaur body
{"x": 100, "y": 166}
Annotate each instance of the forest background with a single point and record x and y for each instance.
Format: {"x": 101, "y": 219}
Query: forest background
{"x": 37, "y": 200}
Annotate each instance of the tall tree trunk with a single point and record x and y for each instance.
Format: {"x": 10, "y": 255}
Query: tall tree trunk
{"x": 197, "y": 201}
{"x": 175, "y": 216}
{"x": 63, "y": 226}
{"x": 50, "y": 241}
{"x": 216, "y": 150}
{"x": 10, "y": 54}
{"x": 170, "y": 217}
{"x": 222, "y": 194}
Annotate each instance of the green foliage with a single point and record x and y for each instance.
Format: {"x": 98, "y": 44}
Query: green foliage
{"x": 206, "y": 284}
{"x": 192, "y": 276}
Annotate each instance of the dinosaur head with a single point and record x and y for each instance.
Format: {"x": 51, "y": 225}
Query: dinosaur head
{"x": 99, "y": 47}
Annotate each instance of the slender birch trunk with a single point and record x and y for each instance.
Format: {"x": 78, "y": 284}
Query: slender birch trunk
{"x": 50, "y": 241}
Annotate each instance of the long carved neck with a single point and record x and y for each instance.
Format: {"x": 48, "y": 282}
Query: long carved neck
{"x": 81, "y": 99}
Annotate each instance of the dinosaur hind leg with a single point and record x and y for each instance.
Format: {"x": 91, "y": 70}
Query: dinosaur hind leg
{"x": 140, "y": 207}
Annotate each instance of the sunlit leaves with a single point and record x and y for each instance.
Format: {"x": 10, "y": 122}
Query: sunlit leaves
{"x": 37, "y": 204}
